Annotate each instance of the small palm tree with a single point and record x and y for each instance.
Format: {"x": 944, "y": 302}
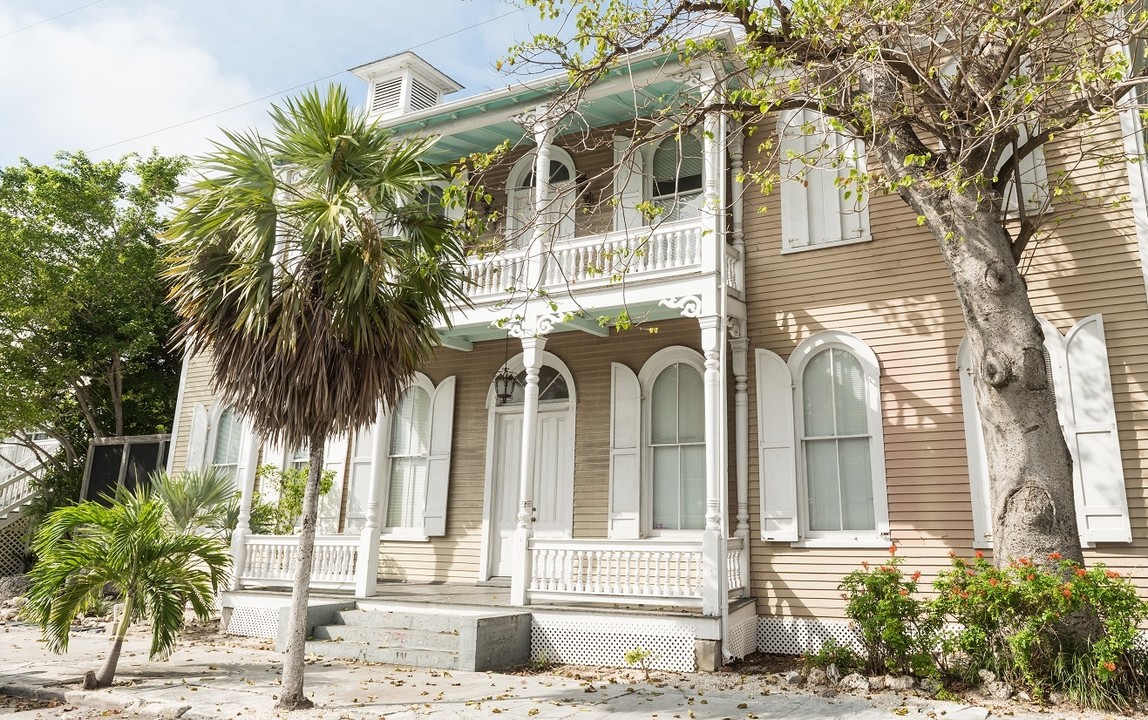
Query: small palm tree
{"x": 198, "y": 500}
{"x": 129, "y": 546}
{"x": 309, "y": 267}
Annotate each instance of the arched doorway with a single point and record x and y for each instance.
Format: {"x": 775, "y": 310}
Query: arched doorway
{"x": 553, "y": 463}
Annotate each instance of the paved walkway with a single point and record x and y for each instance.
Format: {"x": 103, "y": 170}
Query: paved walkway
{"x": 206, "y": 679}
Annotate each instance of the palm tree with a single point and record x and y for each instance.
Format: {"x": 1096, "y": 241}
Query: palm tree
{"x": 198, "y": 500}
{"x": 129, "y": 546}
{"x": 309, "y": 268}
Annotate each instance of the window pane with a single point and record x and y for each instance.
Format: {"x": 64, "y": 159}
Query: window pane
{"x": 665, "y": 488}
{"x": 664, "y": 407}
{"x": 227, "y": 435}
{"x": 849, "y": 394}
{"x": 817, "y": 395}
{"x": 406, "y": 493}
{"x": 691, "y": 404}
{"x": 822, "y": 485}
{"x": 693, "y": 481}
{"x": 856, "y": 484}
{"x": 410, "y": 422}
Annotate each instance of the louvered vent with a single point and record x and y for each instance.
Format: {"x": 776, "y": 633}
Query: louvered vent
{"x": 422, "y": 96}
{"x": 387, "y": 95}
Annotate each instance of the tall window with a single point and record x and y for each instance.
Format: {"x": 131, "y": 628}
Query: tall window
{"x": 521, "y": 211}
{"x": 225, "y": 452}
{"x": 836, "y": 443}
{"x": 678, "y": 449}
{"x": 408, "y": 450}
{"x": 677, "y": 177}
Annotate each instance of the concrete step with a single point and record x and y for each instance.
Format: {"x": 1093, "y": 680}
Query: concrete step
{"x": 455, "y": 638}
{"x": 390, "y": 637}
{"x": 367, "y": 652}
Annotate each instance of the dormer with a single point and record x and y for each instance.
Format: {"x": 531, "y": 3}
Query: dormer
{"x": 403, "y": 83}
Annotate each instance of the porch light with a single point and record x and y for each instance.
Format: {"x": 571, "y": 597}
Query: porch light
{"x": 504, "y": 384}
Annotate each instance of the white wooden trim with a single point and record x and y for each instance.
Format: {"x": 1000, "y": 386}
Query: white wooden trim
{"x": 176, "y": 425}
{"x": 800, "y": 357}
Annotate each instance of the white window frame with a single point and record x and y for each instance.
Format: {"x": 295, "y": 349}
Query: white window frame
{"x": 692, "y": 199}
{"x": 520, "y": 203}
{"x": 653, "y": 367}
{"x": 805, "y": 351}
{"x": 214, "y": 437}
{"x": 416, "y": 532}
{"x": 806, "y": 183}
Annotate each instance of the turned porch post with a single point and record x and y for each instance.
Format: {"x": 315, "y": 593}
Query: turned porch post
{"x": 367, "y": 562}
{"x": 249, "y": 453}
{"x": 739, "y": 357}
{"x": 532, "y": 347}
{"x": 713, "y": 537}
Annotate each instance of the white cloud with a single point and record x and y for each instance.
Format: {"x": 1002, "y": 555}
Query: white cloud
{"x": 109, "y": 76}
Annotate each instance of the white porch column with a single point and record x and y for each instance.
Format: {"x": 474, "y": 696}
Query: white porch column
{"x": 737, "y": 206}
{"x": 249, "y": 454}
{"x": 739, "y": 357}
{"x": 367, "y": 564}
{"x": 713, "y": 151}
{"x": 713, "y": 537}
{"x": 532, "y": 346}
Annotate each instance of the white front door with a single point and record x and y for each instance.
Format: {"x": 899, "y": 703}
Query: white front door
{"x": 553, "y": 482}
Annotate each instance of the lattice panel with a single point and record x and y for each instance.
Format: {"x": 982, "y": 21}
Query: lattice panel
{"x": 794, "y": 636}
{"x": 257, "y": 622}
{"x": 593, "y": 642}
{"x": 13, "y": 546}
{"x": 742, "y": 637}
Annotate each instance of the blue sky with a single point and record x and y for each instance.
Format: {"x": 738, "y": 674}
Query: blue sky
{"x": 107, "y": 76}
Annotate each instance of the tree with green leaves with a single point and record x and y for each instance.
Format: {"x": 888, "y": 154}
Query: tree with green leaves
{"x": 303, "y": 262}
{"x": 951, "y": 99}
{"x": 129, "y": 546}
{"x": 84, "y": 322}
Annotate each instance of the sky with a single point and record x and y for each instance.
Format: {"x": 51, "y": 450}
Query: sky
{"x": 115, "y": 76}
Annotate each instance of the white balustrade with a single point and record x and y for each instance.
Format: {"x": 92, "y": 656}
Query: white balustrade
{"x": 733, "y": 564}
{"x": 269, "y": 560}
{"x": 667, "y": 249}
{"x": 18, "y": 465}
{"x": 608, "y": 571}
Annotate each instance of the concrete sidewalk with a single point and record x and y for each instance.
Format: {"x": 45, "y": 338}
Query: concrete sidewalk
{"x": 205, "y": 678}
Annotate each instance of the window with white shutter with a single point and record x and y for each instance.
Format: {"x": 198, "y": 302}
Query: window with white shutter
{"x": 1083, "y": 388}
{"x": 819, "y": 207}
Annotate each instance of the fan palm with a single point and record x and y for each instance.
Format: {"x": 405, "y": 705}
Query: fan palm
{"x": 129, "y": 546}
{"x": 306, "y": 264}
{"x": 198, "y": 500}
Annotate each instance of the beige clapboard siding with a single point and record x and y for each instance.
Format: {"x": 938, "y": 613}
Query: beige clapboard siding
{"x": 457, "y": 556}
{"x": 895, "y": 293}
{"x": 196, "y": 391}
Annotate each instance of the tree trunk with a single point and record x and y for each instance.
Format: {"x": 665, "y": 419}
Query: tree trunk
{"x": 107, "y": 673}
{"x": 1030, "y": 468}
{"x": 293, "y": 697}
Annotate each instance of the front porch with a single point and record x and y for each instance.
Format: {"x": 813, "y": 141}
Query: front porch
{"x": 485, "y": 624}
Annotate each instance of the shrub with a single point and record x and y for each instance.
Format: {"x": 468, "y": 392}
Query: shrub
{"x": 898, "y": 630}
{"x": 834, "y": 653}
{"x": 1050, "y": 627}
{"x": 282, "y": 514}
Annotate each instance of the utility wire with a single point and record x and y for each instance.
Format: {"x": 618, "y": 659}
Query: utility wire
{"x": 290, "y": 89}
{"x": 45, "y": 20}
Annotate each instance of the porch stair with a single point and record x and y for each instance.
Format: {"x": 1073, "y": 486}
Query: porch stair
{"x": 454, "y": 639}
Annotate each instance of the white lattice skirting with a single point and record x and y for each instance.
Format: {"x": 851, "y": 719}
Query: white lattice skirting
{"x": 742, "y": 636}
{"x": 794, "y": 636}
{"x": 13, "y": 546}
{"x": 254, "y": 621}
{"x": 592, "y": 641}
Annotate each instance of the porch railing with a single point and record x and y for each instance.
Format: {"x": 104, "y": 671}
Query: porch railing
{"x": 734, "y": 581}
{"x": 269, "y": 560}
{"x": 595, "y": 261}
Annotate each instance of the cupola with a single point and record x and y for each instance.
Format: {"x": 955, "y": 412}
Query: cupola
{"x": 403, "y": 83}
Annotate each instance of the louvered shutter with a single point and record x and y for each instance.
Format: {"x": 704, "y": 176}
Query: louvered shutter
{"x": 975, "y": 451}
{"x": 625, "y": 513}
{"x": 334, "y": 460}
{"x": 438, "y": 459}
{"x": 1033, "y": 179}
{"x": 1090, "y": 430}
{"x": 197, "y": 439}
{"x": 777, "y": 456}
{"x": 629, "y": 184}
{"x": 248, "y": 454}
{"x": 794, "y": 195}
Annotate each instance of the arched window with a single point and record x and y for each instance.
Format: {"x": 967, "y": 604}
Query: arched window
{"x": 225, "y": 444}
{"x": 407, "y": 452}
{"x": 675, "y": 442}
{"x": 520, "y": 211}
{"x": 677, "y": 177}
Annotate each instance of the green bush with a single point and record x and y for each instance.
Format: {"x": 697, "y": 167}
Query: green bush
{"x": 280, "y": 516}
{"x": 833, "y": 653}
{"x": 898, "y": 631}
{"x": 1056, "y": 627}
